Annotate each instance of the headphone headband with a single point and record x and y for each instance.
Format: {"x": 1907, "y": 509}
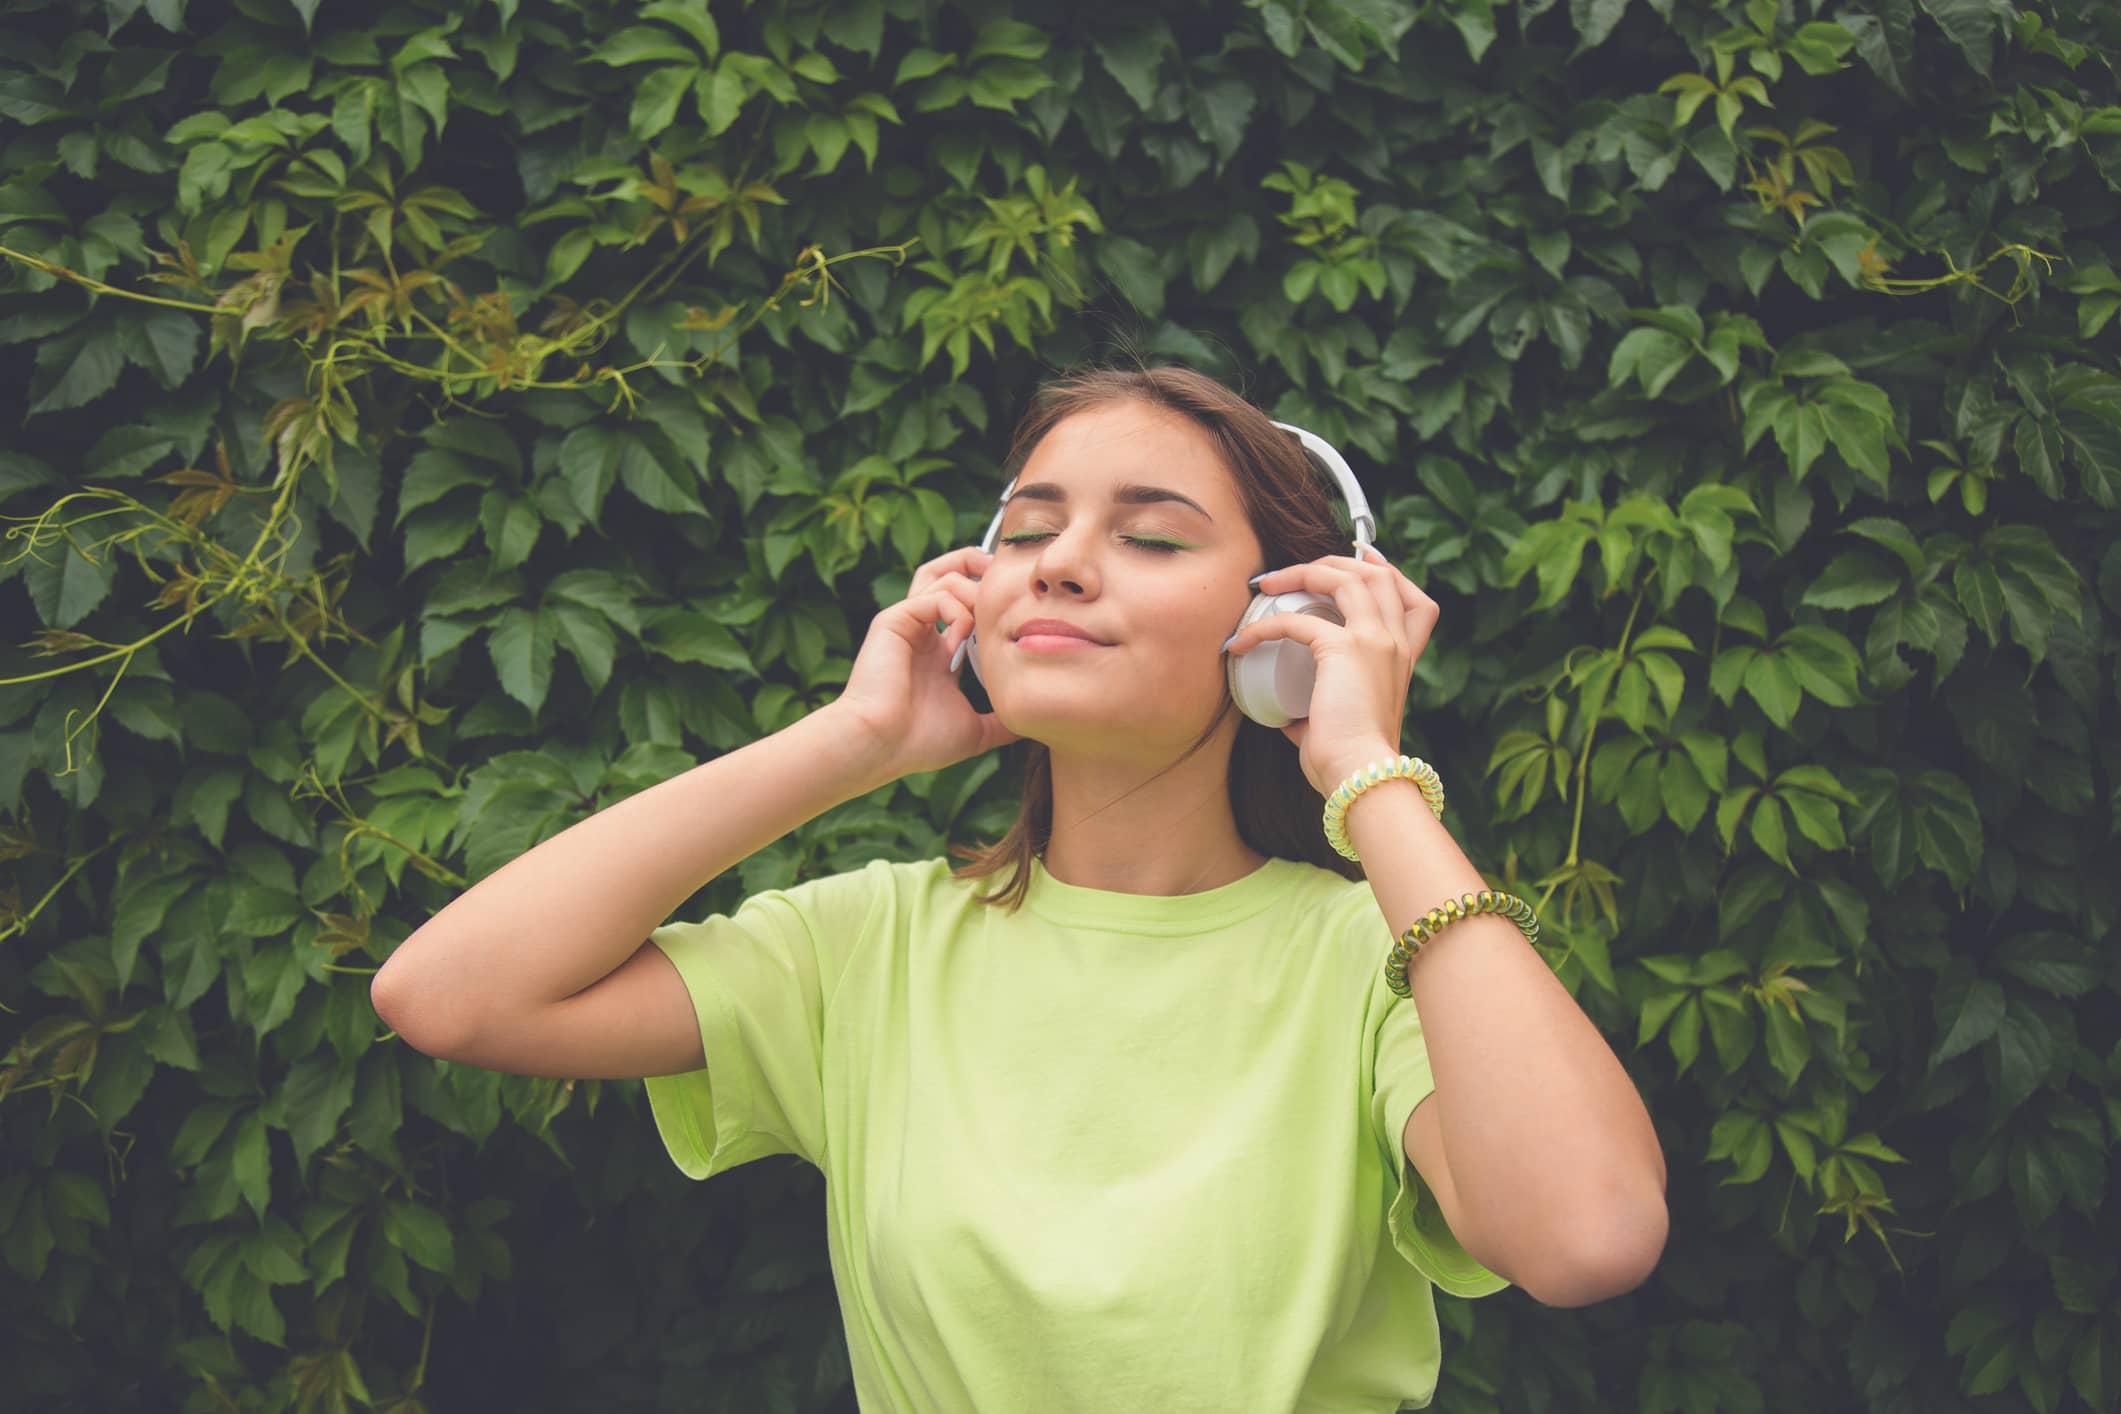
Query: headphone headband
{"x": 1335, "y": 464}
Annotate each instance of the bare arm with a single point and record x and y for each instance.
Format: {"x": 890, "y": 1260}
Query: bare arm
{"x": 542, "y": 967}
{"x": 1554, "y": 1170}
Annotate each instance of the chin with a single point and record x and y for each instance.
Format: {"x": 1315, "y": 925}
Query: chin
{"x": 1141, "y": 723}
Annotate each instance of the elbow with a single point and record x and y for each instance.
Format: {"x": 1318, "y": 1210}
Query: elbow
{"x": 388, "y": 994}
{"x": 1626, "y": 1250}
{"x": 413, "y": 1008}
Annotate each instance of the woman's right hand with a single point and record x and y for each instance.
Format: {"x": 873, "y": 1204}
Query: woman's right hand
{"x": 901, "y": 690}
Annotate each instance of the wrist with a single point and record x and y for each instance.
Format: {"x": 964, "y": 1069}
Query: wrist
{"x": 1367, "y": 777}
{"x": 1348, "y": 761}
{"x": 851, "y": 745}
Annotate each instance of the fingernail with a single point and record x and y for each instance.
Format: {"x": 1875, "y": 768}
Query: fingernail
{"x": 1228, "y": 641}
{"x": 1253, "y": 582}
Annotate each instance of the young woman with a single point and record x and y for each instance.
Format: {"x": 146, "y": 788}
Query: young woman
{"x": 1124, "y": 1114}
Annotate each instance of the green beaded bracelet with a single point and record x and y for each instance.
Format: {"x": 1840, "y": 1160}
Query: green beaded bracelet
{"x": 1434, "y": 921}
{"x": 1411, "y": 767}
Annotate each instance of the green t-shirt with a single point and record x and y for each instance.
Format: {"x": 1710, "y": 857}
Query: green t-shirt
{"x": 1110, "y": 1152}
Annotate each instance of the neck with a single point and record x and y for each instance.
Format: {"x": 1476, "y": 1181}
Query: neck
{"x": 1135, "y": 827}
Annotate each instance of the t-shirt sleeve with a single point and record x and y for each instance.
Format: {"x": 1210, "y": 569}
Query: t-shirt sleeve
{"x": 759, "y": 980}
{"x": 1401, "y": 1080}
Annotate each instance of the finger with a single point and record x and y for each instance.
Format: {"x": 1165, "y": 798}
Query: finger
{"x": 1402, "y": 608}
{"x": 1384, "y": 582}
{"x": 1351, "y": 585}
{"x": 953, "y": 585}
{"x": 1307, "y": 629}
{"x": 940, "y": 606}
{"x": 1413, "y": 600}
{"x": 964, "y": 586}
{"x": 968, "y": 560}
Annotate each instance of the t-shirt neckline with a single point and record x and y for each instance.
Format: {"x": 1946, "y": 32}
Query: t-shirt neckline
{"x": 1154, "y": 913}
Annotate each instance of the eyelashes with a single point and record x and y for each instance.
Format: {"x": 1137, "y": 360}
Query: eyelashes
{"x": 1027, "y": 537}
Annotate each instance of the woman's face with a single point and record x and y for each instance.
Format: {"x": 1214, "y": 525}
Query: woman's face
{"x": 1126, "y": 524}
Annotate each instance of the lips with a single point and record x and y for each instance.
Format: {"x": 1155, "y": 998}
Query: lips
{"x": 1059, "y": 627}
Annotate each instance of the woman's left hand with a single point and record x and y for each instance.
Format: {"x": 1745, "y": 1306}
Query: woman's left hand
{"x": 1359, "y": 694}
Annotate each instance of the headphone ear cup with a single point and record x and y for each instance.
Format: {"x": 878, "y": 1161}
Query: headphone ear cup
{"x": 1271, "y": 683}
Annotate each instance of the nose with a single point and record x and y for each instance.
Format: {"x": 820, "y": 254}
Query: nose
{"x": 1063, "y": 564}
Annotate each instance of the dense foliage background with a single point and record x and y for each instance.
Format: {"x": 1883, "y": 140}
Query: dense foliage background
{"x": 494, "y": 409}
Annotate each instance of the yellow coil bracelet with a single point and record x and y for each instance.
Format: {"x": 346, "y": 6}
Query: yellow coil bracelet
{"x": 1436, "y": 919}
{"x": 1411, "y": 767}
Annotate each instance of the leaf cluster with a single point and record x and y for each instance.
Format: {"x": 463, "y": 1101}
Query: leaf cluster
{"x": 440, "y": 422}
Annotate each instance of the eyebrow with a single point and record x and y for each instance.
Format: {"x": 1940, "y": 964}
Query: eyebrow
{"x": 1131, "y": 494}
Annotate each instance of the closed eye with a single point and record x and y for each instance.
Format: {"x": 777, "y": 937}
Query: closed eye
{"x": 1026, "y": 537}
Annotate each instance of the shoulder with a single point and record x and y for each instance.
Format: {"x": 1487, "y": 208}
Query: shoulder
{"x": 888, "y": 886}
{"x": 1346, "y": 908}
{"x": 1341, "y": 924}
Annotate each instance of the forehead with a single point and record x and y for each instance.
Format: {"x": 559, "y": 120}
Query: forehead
{"x": 1090, "y": 454}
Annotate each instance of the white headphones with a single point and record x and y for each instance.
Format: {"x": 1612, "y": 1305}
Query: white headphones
{"x": 1271, "y": 683}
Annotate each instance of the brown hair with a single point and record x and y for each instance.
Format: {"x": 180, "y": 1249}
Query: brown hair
{"x": 1292, "y": 512}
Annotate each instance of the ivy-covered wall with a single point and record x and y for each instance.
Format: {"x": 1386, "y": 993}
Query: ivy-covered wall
{"x": 434, "y": 421}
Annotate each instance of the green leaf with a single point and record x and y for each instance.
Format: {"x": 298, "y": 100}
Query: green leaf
{"x": 1219, "y": 112}
{"x": 1683, "y": 792}
{"x": 1133, "y": 60}
{"x": 165, "y": 342}
{"x": 1136, "y": 271}
{"x": 693, "y": 19}
{"x": 437, "y": 534}
{"x": 512, "y": 525}
{"x": 521, "y": 646}
{"x": 1860, "y": 438}
{"x": 1970, "y": 24}
{"x": 76, "y": 368}
{"x": 67, "y": 588}
{"x": 317, "y": 1092}
{"x": 252, "y": 1162}
{"x": 1946, "y": 826}
{"x": 686, "y": 636}
{"x": 656, "y": 99}
{"x": 1594, "y": 21}
{"x": 1824, "y": 662}
{"x": 1213, "y": 249}
{"x": 814, "y": 67}
{"x": 1770, "y": 682}
{"x": 600, "y": 590}
{"x": 585, "y": 634}
{"x": 1789, "y": 1045}
{"x": 1008, "y": 39}
{"x": 2058, "y": 963}
{"x": 1981, "y": 595}
{"x": 420, "y": 1233}
{"x": 652, "y": 471}
{"x": 1770, "y": 833}
{"x": 721, "y": 98}
{"x": 138, "y": 908}
{"x": 1854, "y": 579}
{"x": 1892, "y": 535}
{"x": 433, "y": 474}
{"x": 1652, "y": 355}
{"x": 2027, "y": 1050}
{"x": 920, "y": 63}
{"x": 589, "y": 461}
{"x": 1817, "y": 820}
